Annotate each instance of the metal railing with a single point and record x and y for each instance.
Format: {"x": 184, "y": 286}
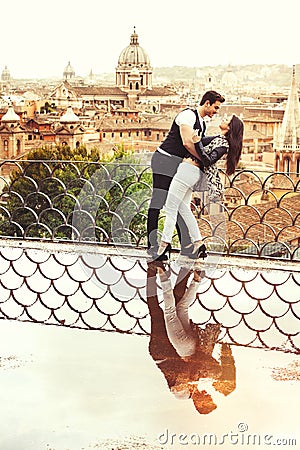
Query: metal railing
{"x": 80, "y": 201}
{"x": 256, "y": 302}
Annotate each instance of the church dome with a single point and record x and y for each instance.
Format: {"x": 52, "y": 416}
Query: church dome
{"x": 10, "y": 116}
{"x": 69, "y": 116}
{"x": 69, "y": 72}
{"x": 134, "y": 67}
{"x": 133, "y": 54}
{"x": 5, "y": 76}
{"x": 229, "y": 78}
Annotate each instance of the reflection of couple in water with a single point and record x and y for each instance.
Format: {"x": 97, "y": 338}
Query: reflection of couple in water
{"x": 181, "y": 349}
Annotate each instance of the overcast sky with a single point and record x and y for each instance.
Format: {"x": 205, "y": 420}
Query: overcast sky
{"x": 38, "y": 38}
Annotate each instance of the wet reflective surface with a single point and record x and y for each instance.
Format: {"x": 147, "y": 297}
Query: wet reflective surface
{"x": 66, "y": 387}
{"x": 73, "y": 389}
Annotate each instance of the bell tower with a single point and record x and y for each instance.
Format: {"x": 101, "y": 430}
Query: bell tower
{"x": 287, "y": 137}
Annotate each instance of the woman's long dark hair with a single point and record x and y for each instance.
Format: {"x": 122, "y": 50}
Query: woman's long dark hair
{"x": 235, "y": 140}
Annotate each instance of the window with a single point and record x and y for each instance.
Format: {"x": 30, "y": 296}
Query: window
{"x": 18, "y": 146}
{"x": 286, "y": 165}
{"x": 137, "y": 133}
{"x": 5, "y": 143}
{"x": 298, "y": 167}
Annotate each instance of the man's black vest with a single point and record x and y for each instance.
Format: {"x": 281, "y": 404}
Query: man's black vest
{"x": 173, "y": 142}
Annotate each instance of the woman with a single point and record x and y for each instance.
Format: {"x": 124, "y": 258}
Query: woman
{"x": 189, "y": 172}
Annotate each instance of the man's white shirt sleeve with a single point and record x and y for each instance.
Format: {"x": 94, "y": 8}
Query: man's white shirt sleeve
{"x": 186, "y": 117}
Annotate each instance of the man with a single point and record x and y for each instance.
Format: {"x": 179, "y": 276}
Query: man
{"x": 166, "y": 159}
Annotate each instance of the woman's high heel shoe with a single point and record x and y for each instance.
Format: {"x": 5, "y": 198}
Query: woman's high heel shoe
{"x": 200, "y": 252}
{"x": 164, "y": 254}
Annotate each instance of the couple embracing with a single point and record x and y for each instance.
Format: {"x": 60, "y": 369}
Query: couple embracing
{"x": 181, "y": 161}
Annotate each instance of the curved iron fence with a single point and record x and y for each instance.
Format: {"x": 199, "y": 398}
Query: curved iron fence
{"x": 107, "y": 202}
{"x": 88, "y": 289}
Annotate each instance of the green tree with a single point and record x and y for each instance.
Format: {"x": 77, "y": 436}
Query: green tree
{"x": 71, "y": 194}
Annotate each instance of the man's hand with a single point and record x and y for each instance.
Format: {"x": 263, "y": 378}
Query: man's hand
{"x": 187, "y": 135}
{"x": 196, "y": 136}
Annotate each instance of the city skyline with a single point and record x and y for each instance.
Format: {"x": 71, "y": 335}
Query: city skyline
{"x": 38, "y": 43}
